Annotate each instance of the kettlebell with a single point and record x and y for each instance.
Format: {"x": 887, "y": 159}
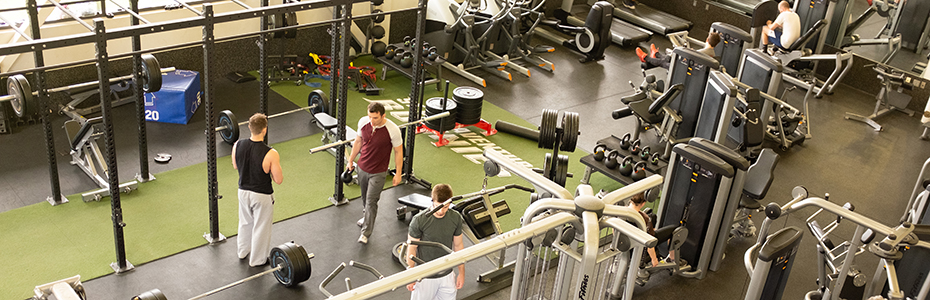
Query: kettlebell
{"x": 625, "y": 141}
{"x": 398, "y": 54}
{"x": 645, "y": 153}
{"x": 634, "y": 147}
{"x": 407, "y": 61}
{"x": 407, "y": 41}
{"x": 433, "y": 53}
{"x": 655, "y": 159}
{"x": 611, "y": 162}
{"x": 346, "y": 176}
{"x": 599, "y": 152}
{"x": 389, "y": 54}
{"x": 626, "y": 167}
{"x": 639, "y": 171}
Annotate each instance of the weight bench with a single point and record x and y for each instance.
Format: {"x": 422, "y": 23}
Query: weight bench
{"x": 86, "y": 154}
{"x": 648, "y": 112}
{"x": 330, "y": 135}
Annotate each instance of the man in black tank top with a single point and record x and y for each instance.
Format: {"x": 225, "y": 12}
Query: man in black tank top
{"x": 258, "y": 166}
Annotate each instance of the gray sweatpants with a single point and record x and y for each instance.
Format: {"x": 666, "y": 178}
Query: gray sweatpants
{"x": 371, "y": 185}
{"x": 255, "y": 218}
{"x": 442, "y": 288}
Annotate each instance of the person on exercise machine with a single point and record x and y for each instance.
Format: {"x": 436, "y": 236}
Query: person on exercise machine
{"x": 655, "y": 58}
{"x": 785, "y": 30}
{"x": 258, "y": 166}
{"x": 443, "y": 226}
{"x": 631, "y": 4}
{"x": 637, "y": 202}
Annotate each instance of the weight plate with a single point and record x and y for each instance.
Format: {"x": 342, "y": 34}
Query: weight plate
{"x": 162, "y": 158}
{"x": 281, "y": 255}
{"x": 155, "y": 294}
{"x": 435, "y": 104}
{"x": 467, "y": 94}
{"x": 230, "y": 132}
{"x": 318, "y": 97}
{"x": 546, "y": 166}
{"x": 305, "y": 271}
{"x": 561, "y": 170}
{"x": 569, "y": 131}
{"x": 398, "y": 253}
{"x": 23, "y": 104}
{"x": 276, "y": 21}
{"x": 290, "y": 19}
{"x": 151, "y": 74}
{"x": 547, "y": 129}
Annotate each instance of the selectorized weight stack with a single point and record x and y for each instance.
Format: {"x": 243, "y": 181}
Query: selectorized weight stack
{"x": 290, "y": 264}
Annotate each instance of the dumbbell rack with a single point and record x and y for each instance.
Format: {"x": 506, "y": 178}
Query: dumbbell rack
{"x": 388, "y": 64}
{"x": 613, "y": 143}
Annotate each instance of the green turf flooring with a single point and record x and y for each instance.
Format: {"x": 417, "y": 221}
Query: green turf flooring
{"x": 41, "y": 243}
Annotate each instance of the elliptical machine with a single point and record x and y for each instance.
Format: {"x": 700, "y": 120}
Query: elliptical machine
{"x": 592, "y": 39}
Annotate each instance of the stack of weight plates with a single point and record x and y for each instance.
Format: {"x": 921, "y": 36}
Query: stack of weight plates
{"x": 434, "y": 107}
{"x": 469, "y": 100}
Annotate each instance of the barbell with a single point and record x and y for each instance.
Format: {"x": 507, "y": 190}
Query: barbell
{"x": 290, "y": 264}
{"x": 229, "y": 127}
{"x": 339, "y": 143}
{"x": 20, "y": 94}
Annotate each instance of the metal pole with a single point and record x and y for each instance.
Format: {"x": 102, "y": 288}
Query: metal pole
{"x": 109, "y": 138}
{"x": 263, "y": 67}
{"x": 338, "y": 102}
{"x": 417, "y": 82}
{"x": 39, "y": 85}
{"x": 143, "y": 175}
{"x": 214, "y": 235}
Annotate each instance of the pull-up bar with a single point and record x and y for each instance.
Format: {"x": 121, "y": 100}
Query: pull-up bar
{"x": 134, "y": 14}
{"x": 188, "y": 7}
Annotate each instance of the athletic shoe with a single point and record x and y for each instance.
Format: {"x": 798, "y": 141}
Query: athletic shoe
{"x": 653, "y": 50}
{"x": 363, "y": 239}
{"x": 641, "y": 54}
{"x": 631, "y": 4}
{"x": 360, "y": 222}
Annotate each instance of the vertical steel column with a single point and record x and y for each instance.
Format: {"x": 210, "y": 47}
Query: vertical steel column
{"x": 338, "y": 31}
{"x": 109, "y": 138}
{"x": 214, "y": 235}
{"x": 415, "y": 90}
{"x": 263, "y": 68}
{"x": 43, "y": 98}
{"x": 143, "y": 175}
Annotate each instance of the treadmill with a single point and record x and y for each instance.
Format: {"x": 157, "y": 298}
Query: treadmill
{"x": 621, "y": 33}
{"x": 651, "y": 19}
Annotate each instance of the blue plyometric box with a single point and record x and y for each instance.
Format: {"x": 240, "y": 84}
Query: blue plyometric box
{"x": 178, "y": 99}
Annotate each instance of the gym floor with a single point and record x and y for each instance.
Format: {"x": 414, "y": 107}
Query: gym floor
{"x": 875, "y": 171}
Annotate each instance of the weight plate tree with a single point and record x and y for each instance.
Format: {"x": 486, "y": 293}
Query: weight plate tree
{"x": 290, "y": 264}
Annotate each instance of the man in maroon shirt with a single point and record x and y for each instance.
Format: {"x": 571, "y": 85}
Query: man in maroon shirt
{"x": 377, "y": 136}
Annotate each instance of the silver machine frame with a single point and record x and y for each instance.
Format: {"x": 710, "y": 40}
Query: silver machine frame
{"x": 557, "y": 208}
{"x": 89, "y": 158}
{"x": 897, "y": 236}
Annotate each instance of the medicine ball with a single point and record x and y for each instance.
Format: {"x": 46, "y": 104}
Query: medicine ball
{"x": 377, "y": 32}
{"x": 378, "y": 48}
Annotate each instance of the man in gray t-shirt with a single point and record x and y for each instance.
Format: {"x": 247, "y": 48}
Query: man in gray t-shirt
{"x": 445, "y": 227}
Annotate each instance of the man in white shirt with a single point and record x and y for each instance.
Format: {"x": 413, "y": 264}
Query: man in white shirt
{"x": 785, "y": 30}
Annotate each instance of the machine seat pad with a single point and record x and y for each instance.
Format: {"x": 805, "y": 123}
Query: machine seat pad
{"x": 760, "y": 175}
{"x": 325, "y": 120}
{"x": 87, "y": 127}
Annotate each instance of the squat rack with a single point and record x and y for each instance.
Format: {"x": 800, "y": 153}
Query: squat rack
{"x": 100, "y": 35}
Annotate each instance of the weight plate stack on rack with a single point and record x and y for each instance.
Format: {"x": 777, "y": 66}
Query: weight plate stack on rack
{"x": 469, "y": 101}
{"x": 547, "y": 128}
{"x": 434, "y": 107}
{"x": 570, "y": 124}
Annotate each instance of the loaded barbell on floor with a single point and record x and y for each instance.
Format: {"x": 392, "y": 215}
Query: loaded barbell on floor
{"x": 290, "y": 264}
{"x": 339, "y": 143}
{"x": 20, "y": 94}
{"x": 229, "y": 127}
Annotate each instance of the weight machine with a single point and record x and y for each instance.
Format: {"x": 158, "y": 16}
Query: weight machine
{"x": 555, "y": 223}
{"x": 890, "y": 98}
{"x": 837, "y": 277}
